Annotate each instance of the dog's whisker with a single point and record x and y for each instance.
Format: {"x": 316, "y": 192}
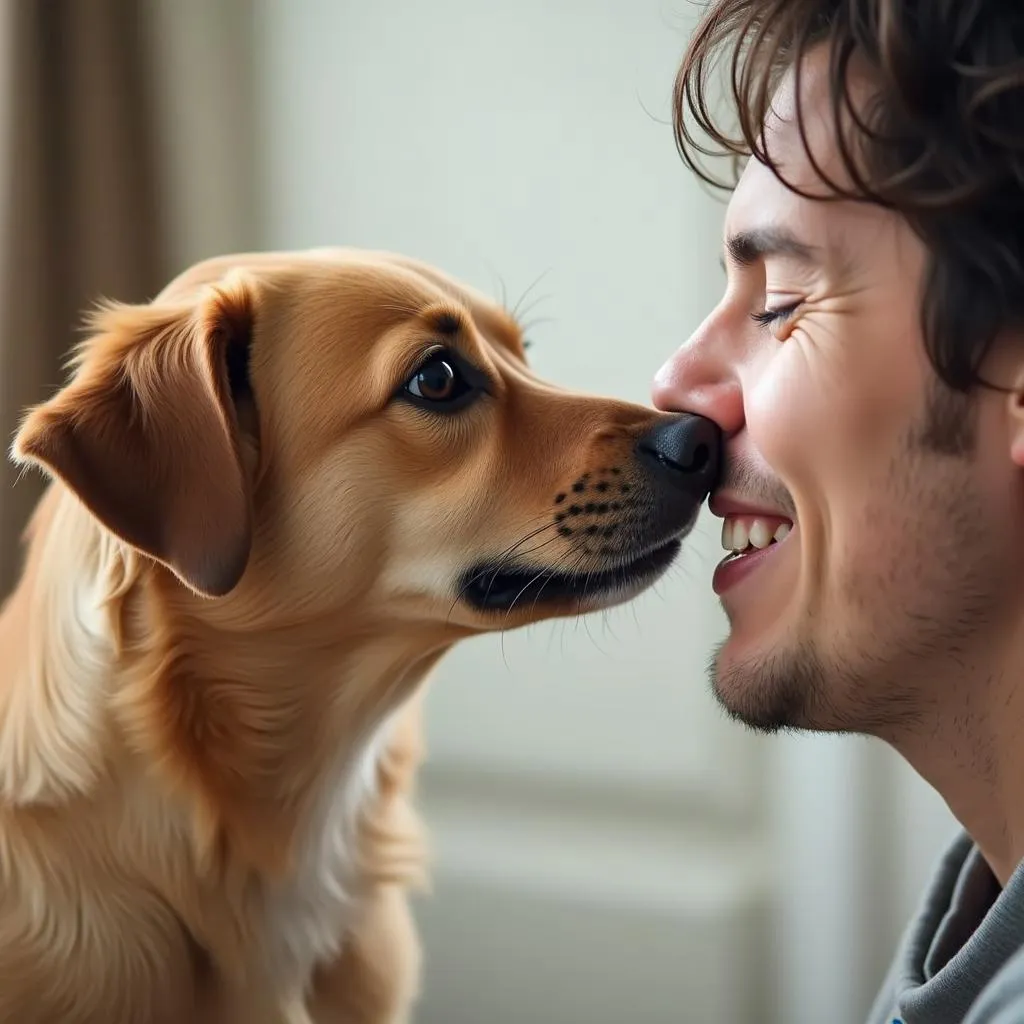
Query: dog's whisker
{"x": 552, "y": 572}
{"x": 567, "y": 569}
{"x": 511, "y": 548}
{"x": 606, "y": 623}
{"x": 586, "y": 619}
{"x": 522, "y": 299}
{"x": 509, "y": 553}
{"x": 529, "y": 325}
{"x": 502, "y": 562}
{"x": 530, "y": 307}
{"x": 495, "y": 276}
{"x": 503, "y": 559}
{"x": 591, "y": 638}
{"x": 583, "y": 596}
{"x": 547, "y": 571}
{"x": 539, "y": 547}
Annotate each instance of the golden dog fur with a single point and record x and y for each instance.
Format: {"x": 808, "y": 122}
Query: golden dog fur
{"x": 232, "y": 595}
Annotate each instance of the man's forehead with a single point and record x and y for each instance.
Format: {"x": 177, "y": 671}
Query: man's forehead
{"x": 766, "y": 209}
{"x": 800, "y": 131}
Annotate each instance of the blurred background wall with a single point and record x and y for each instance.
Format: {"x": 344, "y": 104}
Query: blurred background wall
{"x": 608, "y": 848}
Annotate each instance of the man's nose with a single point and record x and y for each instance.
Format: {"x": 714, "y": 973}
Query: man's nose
{"x": 701, "y": 377}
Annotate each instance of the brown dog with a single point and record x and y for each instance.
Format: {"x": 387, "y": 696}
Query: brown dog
{"x": 281, "y": 491}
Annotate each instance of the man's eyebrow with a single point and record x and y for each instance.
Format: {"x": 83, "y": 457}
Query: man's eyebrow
{"x": 747, "y": 247}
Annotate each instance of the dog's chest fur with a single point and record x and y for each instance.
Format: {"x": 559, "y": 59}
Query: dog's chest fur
{"x": 308, "y": 916}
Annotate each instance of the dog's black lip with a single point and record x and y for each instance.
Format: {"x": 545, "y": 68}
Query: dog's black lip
{"x": 498, "y": 587}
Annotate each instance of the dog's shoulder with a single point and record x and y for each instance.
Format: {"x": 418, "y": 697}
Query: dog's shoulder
{"x": 56, "y": 667}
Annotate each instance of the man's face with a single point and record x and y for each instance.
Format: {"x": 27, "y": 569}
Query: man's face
{"x": 892, "y": 501}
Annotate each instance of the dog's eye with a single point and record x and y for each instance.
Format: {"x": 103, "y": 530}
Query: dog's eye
{"x": 440, "y": 383}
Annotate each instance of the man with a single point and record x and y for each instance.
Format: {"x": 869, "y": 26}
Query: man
{"x": 866, "y": 365}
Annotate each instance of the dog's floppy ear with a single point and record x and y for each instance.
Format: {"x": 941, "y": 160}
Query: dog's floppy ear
{"x": 146, "y": 432}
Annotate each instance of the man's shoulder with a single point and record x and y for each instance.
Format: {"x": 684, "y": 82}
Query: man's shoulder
{"x": 1002, "y": 999}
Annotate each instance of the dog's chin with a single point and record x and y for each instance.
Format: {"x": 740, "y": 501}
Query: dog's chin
{"x": 538, "y": 591}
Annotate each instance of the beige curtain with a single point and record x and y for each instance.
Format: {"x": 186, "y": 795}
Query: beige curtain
{"x": 79, "y": 200}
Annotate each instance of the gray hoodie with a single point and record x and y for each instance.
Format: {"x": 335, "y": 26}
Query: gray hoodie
{"x": 961, "y": 960}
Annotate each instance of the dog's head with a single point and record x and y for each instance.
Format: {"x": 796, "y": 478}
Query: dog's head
{"x": 364, "y": 432}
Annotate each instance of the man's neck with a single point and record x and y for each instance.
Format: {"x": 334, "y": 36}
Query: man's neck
{"x": 969, "y": 749}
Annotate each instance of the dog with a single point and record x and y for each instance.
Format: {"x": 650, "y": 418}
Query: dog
{"x": 277, "y": 494}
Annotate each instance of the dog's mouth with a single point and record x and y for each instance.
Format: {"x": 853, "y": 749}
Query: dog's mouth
{"x": 502, "y": 587}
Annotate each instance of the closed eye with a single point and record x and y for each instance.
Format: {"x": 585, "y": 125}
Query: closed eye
{"x": 768, "y": 317}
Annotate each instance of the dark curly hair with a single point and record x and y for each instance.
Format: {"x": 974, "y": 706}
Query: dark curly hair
{"x": 941, "y": 142}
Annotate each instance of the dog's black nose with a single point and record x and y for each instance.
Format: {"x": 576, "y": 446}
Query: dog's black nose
{"x": 684, "y": 451}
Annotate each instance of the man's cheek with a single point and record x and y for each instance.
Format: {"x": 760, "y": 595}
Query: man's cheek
{"x": 787, "y": 418}
{"x": 809, "y": 404}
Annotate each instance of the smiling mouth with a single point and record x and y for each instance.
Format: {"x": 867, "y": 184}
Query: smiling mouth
{"x": 496, "y": 587}
{"x": 746, "y": 535}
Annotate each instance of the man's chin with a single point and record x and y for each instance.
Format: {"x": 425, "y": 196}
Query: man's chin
{"x": 767, "y": 693}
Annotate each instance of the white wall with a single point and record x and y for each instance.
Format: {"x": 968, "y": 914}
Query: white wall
{"x": 608, "y": 847}
{"x": 203, "y": 71}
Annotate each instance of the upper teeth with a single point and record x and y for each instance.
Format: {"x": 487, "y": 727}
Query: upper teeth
{"x": 740, "y": 532}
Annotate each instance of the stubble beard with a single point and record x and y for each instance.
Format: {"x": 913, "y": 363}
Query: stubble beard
{"x": 929, "y": 600}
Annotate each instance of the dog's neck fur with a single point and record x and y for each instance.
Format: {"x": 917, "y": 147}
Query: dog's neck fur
{"x": 263, "y": 744}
